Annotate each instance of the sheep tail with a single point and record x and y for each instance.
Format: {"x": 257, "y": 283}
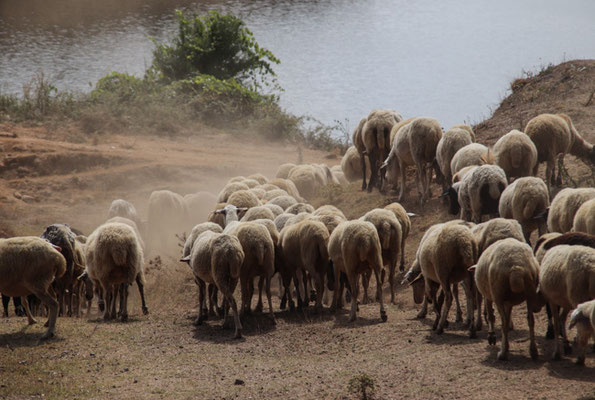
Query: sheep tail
{"x": 517, "y": 279}
{"x": 529, "y": 209}
{"x": 494, "y": 190}
{"x": 260, "y": 253}
{"x": 119, "y": 256}
{"x": 516, "y": 156}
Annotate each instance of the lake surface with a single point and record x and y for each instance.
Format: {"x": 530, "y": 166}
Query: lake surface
{"x": 453, "y": 60}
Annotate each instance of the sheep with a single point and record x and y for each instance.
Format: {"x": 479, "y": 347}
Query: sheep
{"x": 554, "y": 135}
{"x": 199, "y": 205}
{"x": 243, "y": 199}
{"x": 516, "y": 154}
{"x": 507, "y": 274}
{"x": 584, "y": 320}
{"x": 304, "y": 248}
{"x": 479, "y": 192}
{"x": 339, "y": 175}
{"x": 215, "y": 217}
{"x": 328, "y": 209}
{"x": 123, "y": 208}
{"x": 331, "y": 221}
{"x": 283, "y": 201}
{"x": 288, "y": 186}
{"x": 415, "y": 144}
{"x": 28, "y": 265}
{"x": 358, "y": 143}
{"x": 129, "y": 223}
{"x": 466, "y": 128}
{"x": 236, "y": 179}
{"x": 461, "y": 174}
{"x": 275, "y": 209}
{"x": 444, "y": 258}
{"x": 62, "y": 236}
{"x": 452, "y": 140}
{"x": 405, "y": 222}
{"x": 564, "y": 207}
{"x": 525, "y": 200}
{"x": 230, "y": 188}
{"x": 299, "y": 208}
{"x": 494, "y": 230}
{"x": 308, "y": 179}
{"x": 284, "y": 169}
{"x": 168, "y": 215}
{"x": 354, "y": 247}
{"x": 251, "y": 183}
{"x": 351, "y": 165}
{"x": 258, "y": 192}
{"x": 584, "y": 219}
{"x": 566, "y": 279}
{"x": 260, "y": 212}
{"x": 281, "y": 220}
{"x": 274, "y": 193}
{"x": 390, "y": 234}
{"x": 217, "y": 258}
{"x": 260, "y": 178}
{"x": 259, "y": 260}
{"x": 375, "y": 137}
{"x": 297, "y": 218}
{"x": 327, "y": 174}
{"x": 114, "y": 256}
{"x": 19, "y": 310}
{"x": 196, "y": 231}
{"x": 472, "y": 154}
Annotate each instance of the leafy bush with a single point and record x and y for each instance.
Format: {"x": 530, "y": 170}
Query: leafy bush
{"x": 217, "y": 45}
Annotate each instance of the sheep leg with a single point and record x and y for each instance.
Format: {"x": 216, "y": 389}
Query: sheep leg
{"x": 431, "y": 294}
{"x": 363, "y": 162}
{"x": 30, "y": 318}
{"x": 48, "y": 297}
{"x": 420, "y": 174}
{"x": 383, "y": 316}
{"x": 566, "y": 343}
{"x": 259, "y": 305}
{"x": 504, "y": 311}
{"x": 459, "y": 313}
{"x": 491, "y": 319}
{"x": 69, "y": 295}
{"x": 550, "y": 326}
{"x": 556, "y": 315}
{"x": 107, "y": 297}
{"x": 121, "y": 297}
{"x": 319, "y": 282}
{"x": 560, "y": 167}
{"x": 246, "y": 295}
{"x": 447, "y": 290}
{"x": 373, "y": 171}
{"x": 5, "y": 304}
{"x": 402, "y": 265}
{"x": 391, "y": 281}
{"x": 354, "y": 280}
{"x": 468, "y": 287}
{"x": 115, "y": 293}
{"x": 201, "y": 302}
{"x": 124, "y": 301}
{"x": 268, "y": 292}
{"x": 582, "y": 339}
{"x": 424, "y": 309}
{"x": 236, "y": 315}
{"x": 531, "y": 323}
{"x": 401, "y": 195}
{"x": 549, "y": 174}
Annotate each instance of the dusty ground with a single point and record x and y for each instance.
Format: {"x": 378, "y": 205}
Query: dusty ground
{"x": 55, "y": 174}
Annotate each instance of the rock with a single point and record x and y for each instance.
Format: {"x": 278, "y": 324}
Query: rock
{"x": 28, "y": 199}
{"x": 238, "y": 382}
{"x": 17, "y": 195}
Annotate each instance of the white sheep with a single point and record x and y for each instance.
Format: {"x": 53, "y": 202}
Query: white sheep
{"x": 339, "y": 175}
{"x": 196, "y": 231}
{"x": 258, "y": 192}
{"x": 480, "y": 192}
{"x": 466, "y": 128}
{"x": 516, "y": 154}
{"x": 507, "y": 274}
{"x": 525, "y": 200}
{"x": 282, "y": 219}
{"x": 217, "y": 258}
{"x": 29, "y": 265}
{"x": 354, "y": 248}
{"x": 288, "y": 186}
{"x": 471, "y": 154}
{"x": 283, "y": 170}
{"x": 444, "y": 258}
{"x": 114, "y": 256}
{"x": 125, "y": 209}
{"x": 390, "y": 235}
{"x": 554, "y": 136}
{"x": 308, "y": 179}
{"x": 300, "y": 208}
{"x": 403, "y": 218}
{"x": 275, "y": 209}
{"x": 283, "y": 201}
{"x": 584, "y": 320}
{"x": 168, "y": 216}
{"x": 564, "y": 207}
{"x": 375, "y": 135}
{"x": 566, "y": 279}
{"x": 243, "y": 199}
{"x": 260, "y": 178}
{"x": 230, "y": 188}
{"x": 259, "y": 212}
{"x": 584, "y": 219}
{"x": 251, "y": 183}
{"x": 415, "y": 144}
{"x": 451, "y": 141}
{"x": 351, "y": 165}
{"x": 270, "y": 195}
{"x": 494, "y": 230}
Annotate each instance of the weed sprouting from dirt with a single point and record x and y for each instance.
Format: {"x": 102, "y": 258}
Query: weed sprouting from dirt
{"x": 362, "y": 385}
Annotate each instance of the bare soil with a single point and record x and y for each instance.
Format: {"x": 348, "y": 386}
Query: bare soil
{"x": 54, "y": 173}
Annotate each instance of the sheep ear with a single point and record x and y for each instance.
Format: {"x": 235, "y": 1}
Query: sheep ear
{"x": 220, "y": 211}
{"x": 57, "y": 248}
{"x": 472, "y": 268}
{"x": 243, "y": 209}
{"x": 419, "y": 277}
{"x": 185, "y": 259}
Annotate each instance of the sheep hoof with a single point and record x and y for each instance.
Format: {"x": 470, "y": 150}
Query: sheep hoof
{"x": 402, "y": 267}
{"x": 491, "y": 338}
{"x": 383, "y": 316}
{"x": 101, "y": 305}
{"x": 348, "y": 297}
{"x": 580, "y": 361}
{"x": 365, "y": 300}
{"x": 313, "y": 295}
{"x": 283, "y": 303}
{"x": 567, "y": 348}
{"x": 440, "y": 330}
{"x": 220, "y": 311}
{"x": 352, "y": 319}
{"x": 472, "y": 334}
{"x": 421, "y": 315}
{"x": 145, "y": 311}
{"x": 459, "y": 318}
{"x": 502, "y": 356}
{"x": 49, "y": 335}
{"x": 556, "y": 356}
{"x": 238, "y": 334}
{"x": 550, "y": 332}
{"x": 124, "y": 317}
{"x": 445, "y": 324}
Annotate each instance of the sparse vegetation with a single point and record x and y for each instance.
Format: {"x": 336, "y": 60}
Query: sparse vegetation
{"x": 362, "y": 385}
{"x": 213, "y": 72}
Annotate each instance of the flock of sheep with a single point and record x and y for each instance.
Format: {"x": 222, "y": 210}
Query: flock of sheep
{"x": 260, "y": 227}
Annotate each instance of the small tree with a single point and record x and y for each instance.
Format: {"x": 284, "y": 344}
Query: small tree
{"x": 216, "y": 45}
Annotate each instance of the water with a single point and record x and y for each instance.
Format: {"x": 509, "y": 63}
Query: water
{"x": 452, "y": 60}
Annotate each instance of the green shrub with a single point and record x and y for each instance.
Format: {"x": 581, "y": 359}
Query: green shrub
{"x": 217, "y": 45}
